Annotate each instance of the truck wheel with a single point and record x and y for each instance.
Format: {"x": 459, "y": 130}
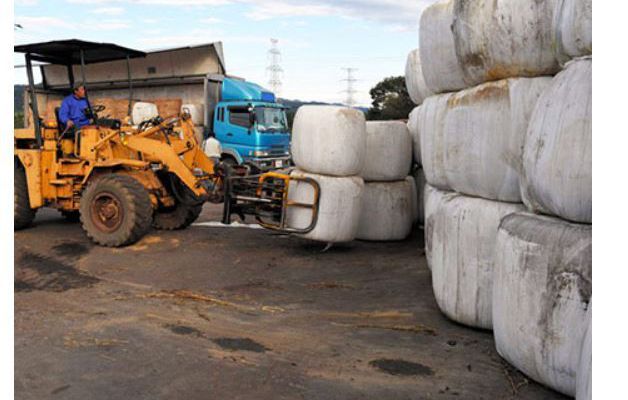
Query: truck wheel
{"x": 177, "y": 217}
{"x": 116, "y": 211}
{"x": 23, "y": 214}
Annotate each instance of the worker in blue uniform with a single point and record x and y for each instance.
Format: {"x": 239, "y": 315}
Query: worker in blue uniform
{"x": 72, "y": 112}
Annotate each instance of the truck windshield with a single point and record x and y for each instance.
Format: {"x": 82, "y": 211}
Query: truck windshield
{"x": 271, "y": 119}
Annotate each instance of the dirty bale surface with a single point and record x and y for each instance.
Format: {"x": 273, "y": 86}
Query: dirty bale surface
{"x": 234, "y": 313}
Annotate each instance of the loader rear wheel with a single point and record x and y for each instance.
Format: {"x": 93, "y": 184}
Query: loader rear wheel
{"x": 23, "y": 214}
{"x": 178, "y": 217}
{"x": 116, "y": 211}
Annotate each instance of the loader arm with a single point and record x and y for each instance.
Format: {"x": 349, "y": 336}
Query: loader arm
{"x": 181, "y": 156}
{"x": 265, "y": 197}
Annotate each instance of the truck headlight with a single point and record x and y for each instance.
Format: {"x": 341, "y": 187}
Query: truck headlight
{"x": 260, "y": 153}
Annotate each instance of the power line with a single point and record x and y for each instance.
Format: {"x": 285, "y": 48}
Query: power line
{"x": 350, "y": 91}
{"x": 274, "y": 69}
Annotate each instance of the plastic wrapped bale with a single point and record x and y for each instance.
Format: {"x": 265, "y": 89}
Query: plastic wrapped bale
{"x": 557, "y": 163}
{"x": 572, "y": 29}
{"x": 461, "y": 257}
{"x": 143, "y": 112}
{"x": 504, "y": 39}
{"x": 441, "y": 70}
{"x": 432, "y": 138}
{"x": 329, "y": 140}
{"x": 584, "y": 374}
{"x": 485, "y": 129}
{"x": 413, "y": 128}
{"x": 415, "y": 197}
{"x": 415, "y": 83}
{"x": 388, "y": 151}
{"x": 433, "y": 198}
{"x": 541, "y": 293}
{"x": 195, "y": 111}
{"x": 339, "y": 207}
{"x": 386, "y": 211}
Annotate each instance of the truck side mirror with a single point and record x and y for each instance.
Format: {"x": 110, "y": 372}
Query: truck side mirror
{"x": 252, "y": 118}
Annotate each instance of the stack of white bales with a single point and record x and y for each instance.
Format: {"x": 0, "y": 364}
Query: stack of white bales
{"x": 542, "y": 291}
{"x": 418, "y": 91}
{"x": 511, "y": 135}
{"x": 487, "y": 60}
{"x": 329, "y": 146}
{"x": 389, "y": 202}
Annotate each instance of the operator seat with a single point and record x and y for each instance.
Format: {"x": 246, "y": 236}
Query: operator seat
{"x": 60, "y": 125}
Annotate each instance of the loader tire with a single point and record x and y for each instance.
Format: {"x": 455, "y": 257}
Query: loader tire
{"x": 178, "y": 217}
{"x": 23, "y": 214}
{"x": 116, "y": 211}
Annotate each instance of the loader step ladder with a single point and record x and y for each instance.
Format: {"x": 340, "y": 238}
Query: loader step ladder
{"x": 266, "y": 197}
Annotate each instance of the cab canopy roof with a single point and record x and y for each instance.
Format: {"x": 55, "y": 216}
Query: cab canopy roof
{"x": 68, "y": 52}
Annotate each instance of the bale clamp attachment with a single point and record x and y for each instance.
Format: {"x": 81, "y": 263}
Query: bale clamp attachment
{"x": 266, "y": 197}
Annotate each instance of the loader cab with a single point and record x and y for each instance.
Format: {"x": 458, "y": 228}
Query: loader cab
{"x": 71, "y": 56}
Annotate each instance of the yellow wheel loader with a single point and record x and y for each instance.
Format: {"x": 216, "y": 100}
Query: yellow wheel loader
{"x": 120, "y": 179}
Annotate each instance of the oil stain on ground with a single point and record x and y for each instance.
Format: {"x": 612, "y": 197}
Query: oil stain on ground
{"x": 184, "y": 330}
{"x": 401, "y": 367}
{"x": 245, "y": 344}
{"x": 35, "y": 272}
{"x": 71, "y": 249}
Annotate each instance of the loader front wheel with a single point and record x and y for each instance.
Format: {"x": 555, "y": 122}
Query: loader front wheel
{"x": 23, "y": 214}
{"x": 177, "y": 217}
{"x": 116, "y": 211}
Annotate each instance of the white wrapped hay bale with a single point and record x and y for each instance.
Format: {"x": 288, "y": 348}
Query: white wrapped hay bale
{"x": 462, "y": 233}
{"x": 557, "y": 163}
{"x": 572, "y": 29}
{"x": 329, "y": 140}
{"x": 386, "y": 211}
{"x": 484, "y": 131}
{"x": 413, "y": 128}
{"x": 432, "y": 127}
{"x": 415, "y": 83}
{"x": 541, "y": 292}
{"x": 388, "y": 151}
{"x": 433, "y": 198}
{"x": 195, "y": 111}
{"x": 503, "y": 39}
{"x": 339, "y": 207}
{"x": 143, "y": 111}
{"x": 584, "y": 375}
{"x": 441, "y": 70}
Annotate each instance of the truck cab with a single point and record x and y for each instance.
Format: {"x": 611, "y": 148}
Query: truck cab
{"x": 250, "y": 125}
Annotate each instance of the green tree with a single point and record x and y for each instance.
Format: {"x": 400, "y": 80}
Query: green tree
{"x": 18, "y": 120}
{"x": 390, "y": 100}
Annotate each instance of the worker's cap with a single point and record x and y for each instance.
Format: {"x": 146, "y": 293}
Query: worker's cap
{"x": 77, "y": 85}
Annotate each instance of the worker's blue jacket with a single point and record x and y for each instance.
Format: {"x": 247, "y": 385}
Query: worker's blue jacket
{"x": 73, "y": 109}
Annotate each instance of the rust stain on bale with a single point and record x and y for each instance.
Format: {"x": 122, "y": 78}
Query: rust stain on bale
{"x": 486, "y": 92}
{"x": 473, "y": 60}
{"x": 501, "y": 71}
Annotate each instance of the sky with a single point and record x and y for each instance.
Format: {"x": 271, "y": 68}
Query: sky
{"x": 317, "y": 38}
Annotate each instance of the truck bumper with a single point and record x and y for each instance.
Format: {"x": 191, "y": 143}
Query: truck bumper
{"x": 270, "y": 163}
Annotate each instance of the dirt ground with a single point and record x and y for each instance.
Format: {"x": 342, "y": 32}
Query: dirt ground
{"x": 236, "y": 313}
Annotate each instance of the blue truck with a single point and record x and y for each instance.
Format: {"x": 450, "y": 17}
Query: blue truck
{"x": 250, "y": 125}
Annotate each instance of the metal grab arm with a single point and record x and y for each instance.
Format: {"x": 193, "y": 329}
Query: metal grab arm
{"x": 266, "y": 197}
